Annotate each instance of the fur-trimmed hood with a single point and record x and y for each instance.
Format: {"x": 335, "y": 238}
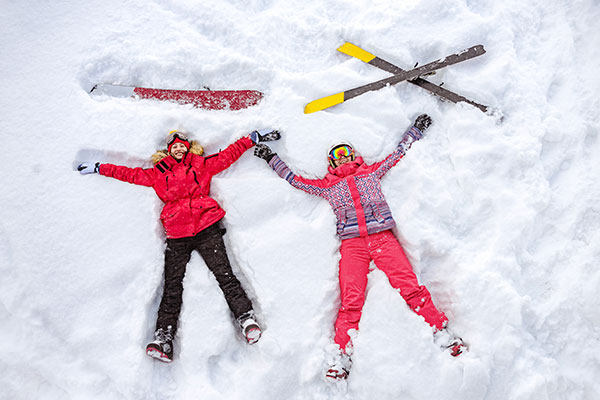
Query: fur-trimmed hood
{"x": 183, "y": 187}
{"x": 195, "y": 148}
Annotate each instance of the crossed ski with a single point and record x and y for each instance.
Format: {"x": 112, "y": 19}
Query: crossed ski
{"x": 400, "y": 75}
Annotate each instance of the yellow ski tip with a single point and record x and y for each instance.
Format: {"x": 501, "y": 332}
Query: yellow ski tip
{"x": 355, "y": 51}
{"x": 324, "y": 102}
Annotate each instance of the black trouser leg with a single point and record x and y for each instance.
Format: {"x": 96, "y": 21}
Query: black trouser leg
{"x": 177, "y": 255}
{"x": 212, "y": 249}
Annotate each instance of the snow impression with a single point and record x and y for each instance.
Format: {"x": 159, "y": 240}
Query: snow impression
{"x": 499, "y": 217}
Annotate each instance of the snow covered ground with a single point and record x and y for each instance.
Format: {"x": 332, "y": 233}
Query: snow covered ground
{"x": 501, "y": 220}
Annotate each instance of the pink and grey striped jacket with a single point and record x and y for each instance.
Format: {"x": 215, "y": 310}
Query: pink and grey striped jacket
{"x": 353, "y": 190}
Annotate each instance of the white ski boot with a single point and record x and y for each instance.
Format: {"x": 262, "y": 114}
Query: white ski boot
{"x": 161, "y": 347}
{"x": 447, "y": 340}
{"x": 250, "y": 328}
{"x": 340, "y": 368}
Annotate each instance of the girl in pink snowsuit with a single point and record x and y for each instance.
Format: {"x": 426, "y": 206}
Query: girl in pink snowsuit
{"x": 364, "y": 223}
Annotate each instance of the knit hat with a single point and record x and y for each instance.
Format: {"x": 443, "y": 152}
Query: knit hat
{"x": 177, "y": 137}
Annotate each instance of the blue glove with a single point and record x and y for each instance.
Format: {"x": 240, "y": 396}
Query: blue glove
{"x": 264, "y": 135}
{"x": 88, "y": 168}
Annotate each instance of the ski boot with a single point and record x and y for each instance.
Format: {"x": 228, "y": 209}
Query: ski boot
{"x": 447, "y": 340}
{"x": 249, "y": 327}
{"x": 162, "y": 346}
{"x": 340, "y": 368}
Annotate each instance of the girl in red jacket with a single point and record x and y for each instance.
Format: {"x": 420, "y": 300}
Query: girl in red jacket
{"x": 364, "y": 223}
{"x": 181, "y": 178}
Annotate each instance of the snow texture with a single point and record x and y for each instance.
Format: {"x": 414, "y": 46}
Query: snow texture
{"x": 501, "y": 219}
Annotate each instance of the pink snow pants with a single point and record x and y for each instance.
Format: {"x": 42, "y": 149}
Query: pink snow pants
{"x": 383, "y": 248}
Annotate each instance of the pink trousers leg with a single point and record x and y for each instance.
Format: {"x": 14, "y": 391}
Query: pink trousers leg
{"x": 354, "y": 267}
{"x": 391, "y": 259}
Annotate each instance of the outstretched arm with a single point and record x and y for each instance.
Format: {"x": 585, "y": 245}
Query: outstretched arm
{"x": 223, "y": 159}
{"x": 413, "y": 134}
{"x": 316, "y": 187}
{"x": 137, "y": 176}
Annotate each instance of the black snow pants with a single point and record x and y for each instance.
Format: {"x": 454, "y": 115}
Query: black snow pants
{"x": 209, "y": 243}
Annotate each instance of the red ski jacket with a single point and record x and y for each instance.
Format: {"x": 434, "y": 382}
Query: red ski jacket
{"x": 353, "y": 190}
{"x": 184, "y": 187}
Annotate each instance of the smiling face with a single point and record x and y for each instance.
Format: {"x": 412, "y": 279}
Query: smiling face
{"x": 178, "y": 150}
{"x": 342, "y": 160}
{"x": 341, "y": 154}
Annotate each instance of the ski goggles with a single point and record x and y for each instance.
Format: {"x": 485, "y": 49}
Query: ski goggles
{"x": 340, "y": 151}
{"x": 174, "y": 135}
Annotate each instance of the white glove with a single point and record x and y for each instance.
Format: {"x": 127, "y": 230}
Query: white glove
{"x": 88, "y": 168}
{"x": 264, "y": 135}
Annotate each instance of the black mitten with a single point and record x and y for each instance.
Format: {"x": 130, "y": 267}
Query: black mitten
{"x": 423, "y": 122}
{"x": 263, "y": 151}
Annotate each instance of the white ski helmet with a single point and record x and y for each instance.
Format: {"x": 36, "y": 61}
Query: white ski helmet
{"x": 336, "y": 144}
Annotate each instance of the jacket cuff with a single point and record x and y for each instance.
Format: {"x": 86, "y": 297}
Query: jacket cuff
{"x": 247, "y": 142}
{"x": 415, "y": 133}
{"x": 102, "y": 167}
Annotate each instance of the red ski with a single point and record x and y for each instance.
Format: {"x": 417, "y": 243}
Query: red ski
{"x": 206, "y": 99}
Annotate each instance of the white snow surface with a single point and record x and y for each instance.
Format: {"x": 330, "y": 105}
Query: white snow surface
{"x": 500, "y": 218}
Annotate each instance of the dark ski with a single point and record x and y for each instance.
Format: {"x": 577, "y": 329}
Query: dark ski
{"x": 329, "y": 101}
{"x": 363, "y": 55}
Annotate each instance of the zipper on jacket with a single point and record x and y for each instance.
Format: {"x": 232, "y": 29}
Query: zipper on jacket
{"x": 196, "y": 178}
{"x": 360, "y": 212}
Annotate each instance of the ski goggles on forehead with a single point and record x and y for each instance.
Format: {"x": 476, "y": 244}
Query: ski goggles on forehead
{"x": 176, "y": 135}
{"x": 341, "y": 151}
